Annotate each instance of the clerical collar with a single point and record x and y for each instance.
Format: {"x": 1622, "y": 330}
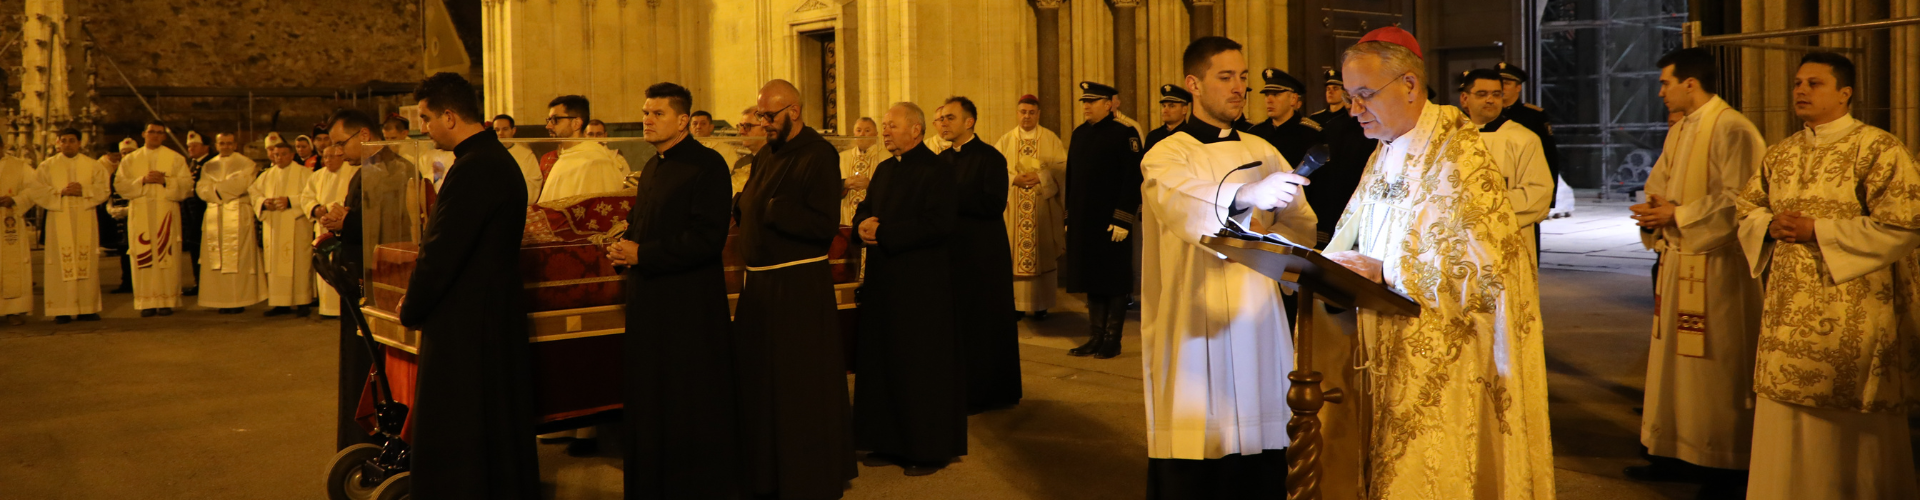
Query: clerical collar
{"x": 956, "y": 146}
{"x": 1426, "y": 109}
{"x": 1494, "y": 126}
{"x": 678, "y": 147}
{"x": 1209, "y": 134}
{"x": 1835, "y": 129}
{"x": 474, "y": 141}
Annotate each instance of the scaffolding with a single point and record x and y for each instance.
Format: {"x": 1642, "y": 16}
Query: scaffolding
{"x": 1599, "y": 83}
{"x": 1756, "y": 68}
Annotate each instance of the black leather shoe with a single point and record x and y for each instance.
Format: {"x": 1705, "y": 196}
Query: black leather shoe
{"x": 232, "y": 310}
{"x": 302, "y": 311}
{"x": 190, "y": 291}
{"x": 1040, "y": 315}
{"x": 61, "y": 320}
{"x": 166, "y": 311}
{"x": 878, "y": 460}
{"x": 276, "y": 311}
{"x": 147, "y": 313}
{"x": 919, "y": 470}
{"x": 88, "y": 317}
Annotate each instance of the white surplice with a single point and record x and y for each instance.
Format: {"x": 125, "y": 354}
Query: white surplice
{"x": 1452, "y": 404}
{"x": 1836, "y": 346}
{"x": 1699, "y": 396}
{"x": 583, "y": 168}
{"x": 16, "y": 240}
{"x": 287, "y": 235}
{"x": 229, "y": 253}
{"x": 328, "y": 188}
{"x": 1213, "y": 334}
{"x": 154, "y": 224}
{"x": 529, "y": 169}
{"x": 1517, "y": 153}
{"x": 71, "y": 274}
{"x": 1035, "y": 218}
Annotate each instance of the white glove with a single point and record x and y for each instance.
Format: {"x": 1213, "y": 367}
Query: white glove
{"x": 1119, "y": 233}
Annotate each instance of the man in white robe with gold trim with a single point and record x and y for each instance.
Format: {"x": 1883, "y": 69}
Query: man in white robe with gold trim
{"x": 1697, "y": 422}
{"x": 16, "y": 240}
{"x": 287, "y": 233}
{"x": 1036, "y": 216}
{"x": 1452, "y": 404}
{"x": 325, "y": 191}
{"x": 1213, "y": 333}
{"x": 154, "y": 179}
{"x": 230, "y": 278}
{"x": 69, "y": 185}
{"x": 1830, "y": 222}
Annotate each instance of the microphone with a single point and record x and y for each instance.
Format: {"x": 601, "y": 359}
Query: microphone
{"x": 1316, "y": 158}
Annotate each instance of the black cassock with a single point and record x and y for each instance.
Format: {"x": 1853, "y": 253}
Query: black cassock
{"x": 679, "y": 359}
{"x": 1103, "y": 189}
{"x": 983, "y": 277}
{"x": 355, "y": 360}
{"x": 909, "y": 393}
{"x": 1348, "y": 149}
{"x": 1293, "y": 137}
{"x": 789, "y": 354}
{"x": 473, "y": 417}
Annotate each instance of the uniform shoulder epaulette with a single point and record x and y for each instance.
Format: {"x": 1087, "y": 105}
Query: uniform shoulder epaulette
{"x": 1310, "y": 123}
{"x": 1533, "y": 107}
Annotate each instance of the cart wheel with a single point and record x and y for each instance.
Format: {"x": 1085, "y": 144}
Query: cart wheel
{"x": 344, "y": 473}
{"x": 398, "y": 487}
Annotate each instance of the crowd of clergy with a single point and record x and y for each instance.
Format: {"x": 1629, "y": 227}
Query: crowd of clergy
{"x": 1784, "y": 342}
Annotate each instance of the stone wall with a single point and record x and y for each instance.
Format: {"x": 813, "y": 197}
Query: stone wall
{"x": 236, "y": 44}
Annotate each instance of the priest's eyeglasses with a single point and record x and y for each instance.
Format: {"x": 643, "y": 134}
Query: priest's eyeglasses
{"x": 768, "y": 116}
{"x": 557, "y": 118}
{"x": 1365, "y": 96}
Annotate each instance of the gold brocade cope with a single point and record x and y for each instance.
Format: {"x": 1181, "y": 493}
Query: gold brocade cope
{"x": 1026, "y": 245}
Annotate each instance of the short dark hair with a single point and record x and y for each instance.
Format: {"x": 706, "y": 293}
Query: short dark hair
{"x": 575, "y": 104}
{"x": 281, "y": 144}
{"x": 66, "y": 132}
{"x": 1696, "y": 63}
{"x": 395, "y": 122}
{"x": 155, "y": 121}
{"x": 1199, "y": 55}
{"x": 1467, "y": 80}
{"x": 1843, "y": 71}
{"x": 596, "y": 121}
{"x": 965, "y": 105}
{"x": 351, "y": 119}
{"x": 448, "y": 92}
{"x": 678, "y": 97}
{"x": 508, "y": 118}
{"x": 702, "y": 113}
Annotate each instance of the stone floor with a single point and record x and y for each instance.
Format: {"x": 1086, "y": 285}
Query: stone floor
{"x": 202, "y": 406}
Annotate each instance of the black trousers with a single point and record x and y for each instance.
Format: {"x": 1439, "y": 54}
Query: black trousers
{"x": 1260, "y": 475}
{"x": 355, "y": 362}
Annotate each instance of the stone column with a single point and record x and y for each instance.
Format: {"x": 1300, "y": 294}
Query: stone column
{"x": 1200, "y": 19}
{"x": 1046, "y": 15}
{"x": 1125, "y": 64}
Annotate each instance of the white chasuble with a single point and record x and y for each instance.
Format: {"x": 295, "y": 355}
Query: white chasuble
{"x": 153, "y": 223}
{"x": 1035, "y": 217}
{"x": 1699, "y": 404}
{"x": 16, "y": 240}
{"x": 327, "y": 189}
{"x": 287, "y": 235}
{"x": 229, "y": 252}
{"x": 1213, "y": 333}
{"x": 584, "y": 168}
{"x": 1838, "y": 332}
{"x": 1454, "y": 402}
{"x": 70, "y": 275}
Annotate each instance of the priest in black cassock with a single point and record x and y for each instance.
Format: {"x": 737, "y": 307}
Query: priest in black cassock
{"x": 909, "y": 388}
{"x": 1175, "y": 106}
{"x": 1103, "y": 205}
{"x": 350, "y": 128}
{"x": 982, "y": 267}
{"x": 1285, "y": 128}
{"x": 787, "y": 344}
{"x": 473, "y": 416}
{"x": 679, "y": 367}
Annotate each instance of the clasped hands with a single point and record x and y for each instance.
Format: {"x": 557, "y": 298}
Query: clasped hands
{"x": 1655, "y": 213}
{"x": 330, "y": 217}
{"x": 278, "y": 203}
{"x": 870, "y": 231}
{"x": 1026, "y": 180}
{"x": 1792, "y": 226}
{"x": 624, "y": 253}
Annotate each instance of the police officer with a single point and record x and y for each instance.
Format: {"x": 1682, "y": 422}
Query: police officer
{"x": 1175, "y": 104}
{"x": 1513, "y": 81}
{"x": 1285, "y": 128}
{"x": 1103, "y": 204}
{"x": 1336, "y": 100}
{"x": 1348, "y": 149}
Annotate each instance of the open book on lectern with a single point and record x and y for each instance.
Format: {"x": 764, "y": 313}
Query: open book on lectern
{"x": 1235, "y": 230}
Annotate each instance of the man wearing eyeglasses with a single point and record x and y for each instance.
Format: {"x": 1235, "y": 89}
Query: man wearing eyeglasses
{"x": 1516, "y": 151}
{"x": 1460, "y": 390}
{"x": 788, "y": 348}
{"x": 582, "y": 167}
{"x": 1285, "y": 128}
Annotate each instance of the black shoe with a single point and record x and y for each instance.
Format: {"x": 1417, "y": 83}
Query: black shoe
{"x": 1040, "y": 315}
{"x": 124, "y": 288}
{"x": 302, "y": 311}
{"x": 61, "y": 320}
{"x": 1093, "y": 345}
{"x": 328, "y": 318}
{"x": 918, "y": 468}
{"x": 232, "y": 310}
{"x": 1097, "y": 316}
{"x": 1116, "y": 323}
{"x": 190, "y": 291}
{"x": 276, "y": 311}
{"x": 147, "y": 313}
{"x": 583, "y": 447}
{"x": 88, "y": 317}
{"x": 166, "y": 311}
{"x": 878, "y": 459}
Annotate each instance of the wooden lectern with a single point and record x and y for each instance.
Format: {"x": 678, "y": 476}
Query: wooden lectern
{"x": 1317, "y": 278}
